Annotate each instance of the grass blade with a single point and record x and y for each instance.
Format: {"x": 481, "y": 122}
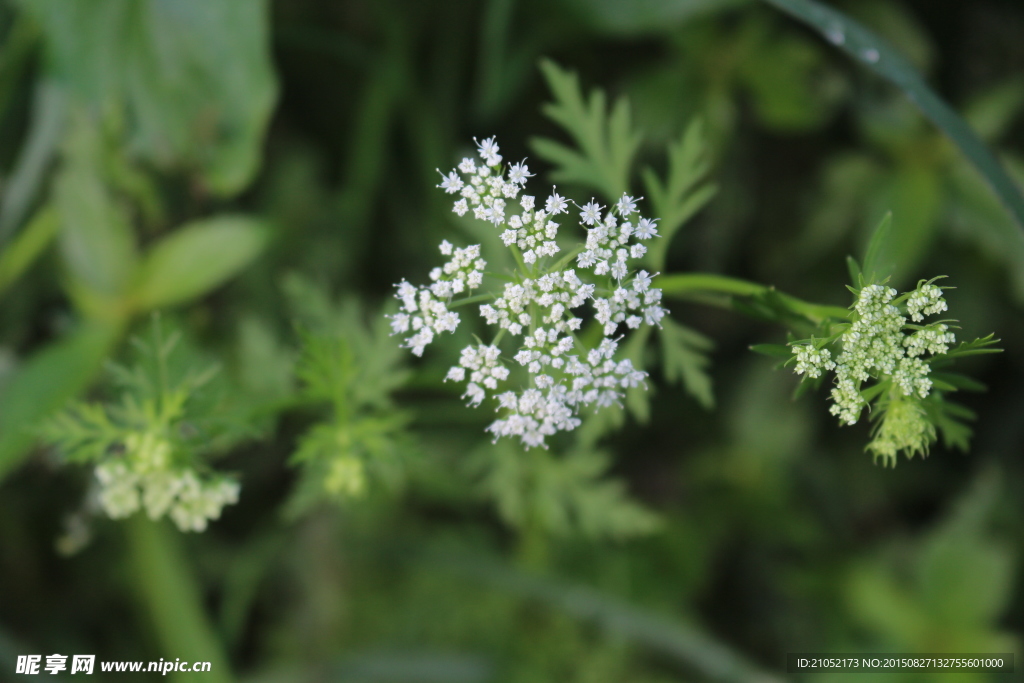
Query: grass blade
{"x": 885, "y": 60}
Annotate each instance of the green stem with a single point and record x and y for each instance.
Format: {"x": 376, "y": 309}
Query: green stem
{"x": 519, "y": 260}
{"x": 532, "y": 547}
{"x": 470, "y": 300}
{"x": 686, "y": 284}
{"x": 564, "y": 261}
{"x": 170, "y": 596}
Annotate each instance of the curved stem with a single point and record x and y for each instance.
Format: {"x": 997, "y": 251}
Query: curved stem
{"x": 696, "y": 283}
{"x": 170, "y": 595}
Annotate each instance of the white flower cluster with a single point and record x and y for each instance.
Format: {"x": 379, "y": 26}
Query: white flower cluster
{"x": 876, "y": 345}
{"x": 540, "y": 307}
{"x": 925, "y": 300}
{"x": 424, "y": 309}
{"x": 484, "y": 369}
{"x": 812, "y": 361}
{"x": 144, "y": 478}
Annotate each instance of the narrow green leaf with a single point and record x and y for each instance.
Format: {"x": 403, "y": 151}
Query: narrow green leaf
{"x": 958, "y": 381}
{"x": 640, "y": 17}
{"x": 977, "y": 347}
{"x": 878, "y": 261}
{"x": 197, "y": 258}
{"x": 886, "y": 61}
{"x": 773, "y": 350}
{"x": 854, "y": 269}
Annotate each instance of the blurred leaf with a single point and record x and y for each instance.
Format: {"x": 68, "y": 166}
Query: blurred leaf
{"x": 645, "y": 16}
{"x": 264, "y": 364}
{"x": 607, "y": 142}
{"x": 504, "y": 63}
{"x": 895, "y": 22}
{"x": 681, "y": 642}
{"x": 381, "y": 366}
{"x": 96, "y": 240}
{"x": 949, "y": 418}
{"x": 24, "y": 250}
{"x": 966, "y": 578}
{"x": 45, "y": 383}
{"x": 638, "y": 398}
{"x": 961, "y": 581}
{"x": 773, "y": 350}
{"x": 879, "y": 602}
{"x": 978, "y": 218}
{"x": 787, "y": 80}
{"x": 684, "y": 193}
{"x": 880, "y": 57}
{"x": 388, "y": 666}
{"x": 913, "y": 195}
{"x": 40, "y": 148}
{"x": 853, "y": 269}
{"x": 15, "y": 57}
{"x": 194, "y": 76}
{"x": 993, "y": 111}
{"x": 562, "y": 496}
{"x": 847, "y": 179}
{"x": 958, "y": 381}
{"x": 197, "y": 258}
{"x": 385, "y": 667}
{"x": 685, "y": 359}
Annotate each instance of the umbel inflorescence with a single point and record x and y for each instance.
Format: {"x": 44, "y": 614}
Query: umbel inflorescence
{"x": 144, "y": 478}
{"x": 544, "y": 304}
{"x": 145, "y": 447}
{"x": 888, "y": 342}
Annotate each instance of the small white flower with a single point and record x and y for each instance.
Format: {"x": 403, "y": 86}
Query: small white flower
{"x": 450, "y": 183}
{"x": 555, "y": 204}
{"x": 626, "y": 206}
{"x": 591, "y": 213}
{"x": 646, "y": 228}
{"x": 519, "y": 173}
{"x": 642, "y": 281}
{"x": 488, "y": 150}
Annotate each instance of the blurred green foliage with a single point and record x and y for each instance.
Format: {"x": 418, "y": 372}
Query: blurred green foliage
{"x": 263, "y": 172}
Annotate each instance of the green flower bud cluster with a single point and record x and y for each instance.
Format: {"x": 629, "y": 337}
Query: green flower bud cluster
{"x": 144, "y": 477}
{"x": 880, "y": 344}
